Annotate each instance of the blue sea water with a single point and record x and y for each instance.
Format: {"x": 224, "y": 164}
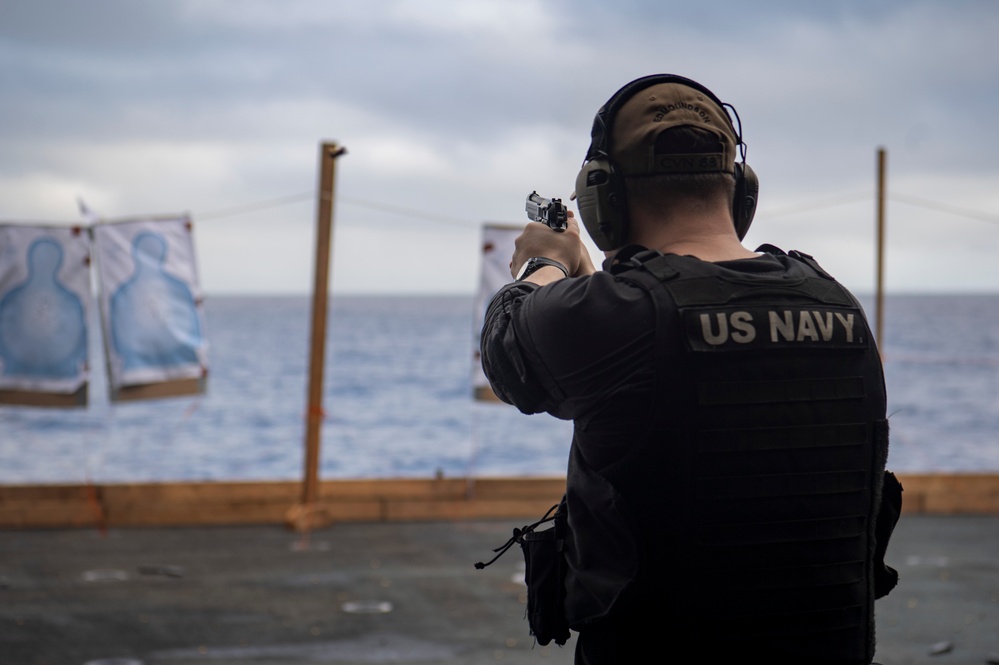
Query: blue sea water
{"x": 398, "y": 403}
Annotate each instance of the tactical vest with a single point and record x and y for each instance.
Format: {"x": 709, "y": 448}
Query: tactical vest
{"x": 742, "y": 516}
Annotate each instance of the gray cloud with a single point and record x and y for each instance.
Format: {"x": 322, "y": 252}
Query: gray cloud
{"x": 458, "y": 109}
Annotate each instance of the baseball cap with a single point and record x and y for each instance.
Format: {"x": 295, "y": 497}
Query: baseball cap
{"x": 652, "y": 110}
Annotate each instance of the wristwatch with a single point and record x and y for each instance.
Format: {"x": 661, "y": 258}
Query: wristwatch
{"x": 535, "y": 263}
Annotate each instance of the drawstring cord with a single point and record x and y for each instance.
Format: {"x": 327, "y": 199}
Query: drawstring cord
{"x": 518, "y": 537}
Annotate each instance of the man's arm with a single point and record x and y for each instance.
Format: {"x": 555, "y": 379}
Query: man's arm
{"x": 507, "y": 350}
{"x": 504, "y": 360}
{"x": 563, "y": 345}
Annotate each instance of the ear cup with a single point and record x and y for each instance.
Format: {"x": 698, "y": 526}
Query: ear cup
{"x": 601, "y": 202}
{"x": 747, "y": 193}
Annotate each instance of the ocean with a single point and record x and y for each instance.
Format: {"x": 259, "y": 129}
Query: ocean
{"x": 398, "y": 400}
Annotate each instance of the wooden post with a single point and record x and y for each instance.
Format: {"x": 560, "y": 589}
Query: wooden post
{"x": 307, "y": 514}
{"x": 879, "y": 294}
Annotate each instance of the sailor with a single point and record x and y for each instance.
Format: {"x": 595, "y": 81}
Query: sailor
{"x": 726, "y": 488}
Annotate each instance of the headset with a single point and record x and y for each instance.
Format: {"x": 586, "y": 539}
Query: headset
{"x": 600, "y": 191}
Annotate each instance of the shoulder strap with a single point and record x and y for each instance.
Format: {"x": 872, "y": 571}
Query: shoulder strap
{"x": 637, "y": 258}
{"x": 801, "y": 257}
{"x": 810, "y": 262}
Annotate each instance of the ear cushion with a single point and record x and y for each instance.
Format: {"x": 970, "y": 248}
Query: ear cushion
{"x": 601, "y": 202}
{"x": 747, "y": 193}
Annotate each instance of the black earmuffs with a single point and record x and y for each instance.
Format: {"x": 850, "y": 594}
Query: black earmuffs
{"x": 600, "y": 192}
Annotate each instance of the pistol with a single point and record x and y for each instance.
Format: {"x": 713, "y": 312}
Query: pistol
{"x": 550, "y": 212}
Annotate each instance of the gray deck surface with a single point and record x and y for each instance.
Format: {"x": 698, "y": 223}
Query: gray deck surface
{"x": 392, "y": 593}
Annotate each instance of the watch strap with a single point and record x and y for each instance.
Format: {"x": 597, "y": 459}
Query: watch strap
{"x": 535, "y": 263}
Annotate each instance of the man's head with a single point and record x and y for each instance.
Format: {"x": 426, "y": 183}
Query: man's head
{"x": 658, "y": 138}
{"x": 690, "y": 177}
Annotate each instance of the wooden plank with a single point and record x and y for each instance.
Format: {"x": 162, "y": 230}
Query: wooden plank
{"x": 410, "y": 488}
{"x": 183, "y": 515}
{"x": 174, "y": 388}
{"x": 450, "y": 510}
{"x": 192, "y": 508}
{"x": 355, "y": 511}
{"x": 950, "y": 494}
{"x": 49, "y": 514}
{"x": 50, "y": 506}
{"x": 974, "y": 482}
{"x": 488, "y": 488}
{"x": 41, "y": 492}
{"x": 30, "y": 398}
{"x": 214, "y": 503}
{"x": 201, "y": 491}
{"x": 960, "y": 504}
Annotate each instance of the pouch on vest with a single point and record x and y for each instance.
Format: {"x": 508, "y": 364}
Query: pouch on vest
{"x": 886, "y": 577}
{"x": 545, "y": 569}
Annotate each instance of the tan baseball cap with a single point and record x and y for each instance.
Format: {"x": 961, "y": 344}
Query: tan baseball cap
{"x": 648, "y": 112}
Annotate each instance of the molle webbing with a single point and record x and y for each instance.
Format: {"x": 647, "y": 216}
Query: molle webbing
{"x": 779, "y": 529}
{"x": 763, "y": 386}
{"x": 780, "y": 392}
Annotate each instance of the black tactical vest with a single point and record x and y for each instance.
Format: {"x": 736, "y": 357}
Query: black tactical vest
{"x": 742, "y": 517}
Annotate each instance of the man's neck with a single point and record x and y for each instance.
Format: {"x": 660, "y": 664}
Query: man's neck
{"x": 707, "y": 235}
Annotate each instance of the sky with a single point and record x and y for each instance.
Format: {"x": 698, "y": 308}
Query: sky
{"x": 452, "y": 112}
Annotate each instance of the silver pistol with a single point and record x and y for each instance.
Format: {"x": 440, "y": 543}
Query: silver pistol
{"x": 550, "y": 212}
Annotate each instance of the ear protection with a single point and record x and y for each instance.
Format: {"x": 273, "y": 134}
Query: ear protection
{"x": 600, "y": 192}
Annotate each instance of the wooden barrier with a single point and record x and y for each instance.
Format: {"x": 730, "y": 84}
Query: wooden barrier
{"x": 222, "y": 503}
{"x": 950, "y": 494}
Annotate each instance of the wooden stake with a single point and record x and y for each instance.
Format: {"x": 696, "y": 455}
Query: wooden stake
{"x": 306, "y": 514}
{"x": 879, "y": 293}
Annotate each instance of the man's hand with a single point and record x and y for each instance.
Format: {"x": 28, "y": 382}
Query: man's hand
{"x": 566, "y": 247}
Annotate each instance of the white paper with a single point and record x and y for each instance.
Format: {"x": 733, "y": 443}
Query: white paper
{"x": 151, "y": 301}
{"x": 44, "y": 304}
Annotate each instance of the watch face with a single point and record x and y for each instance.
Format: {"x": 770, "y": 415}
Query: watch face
{"x": 530, "y": 265}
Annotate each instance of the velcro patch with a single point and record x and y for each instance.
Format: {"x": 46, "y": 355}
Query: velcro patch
{"x": 787, "y": 327}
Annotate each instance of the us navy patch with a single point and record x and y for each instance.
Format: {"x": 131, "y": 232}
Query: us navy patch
{"x": 788, "y": 327}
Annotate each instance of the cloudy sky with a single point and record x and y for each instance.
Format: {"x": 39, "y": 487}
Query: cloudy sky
{"x": 453, "y": 111}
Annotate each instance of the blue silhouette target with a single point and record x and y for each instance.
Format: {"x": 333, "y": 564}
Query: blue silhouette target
{"x": 43, "y": 332}
{"x": 150, "y": 303}
{"x": 154, "y": 317}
